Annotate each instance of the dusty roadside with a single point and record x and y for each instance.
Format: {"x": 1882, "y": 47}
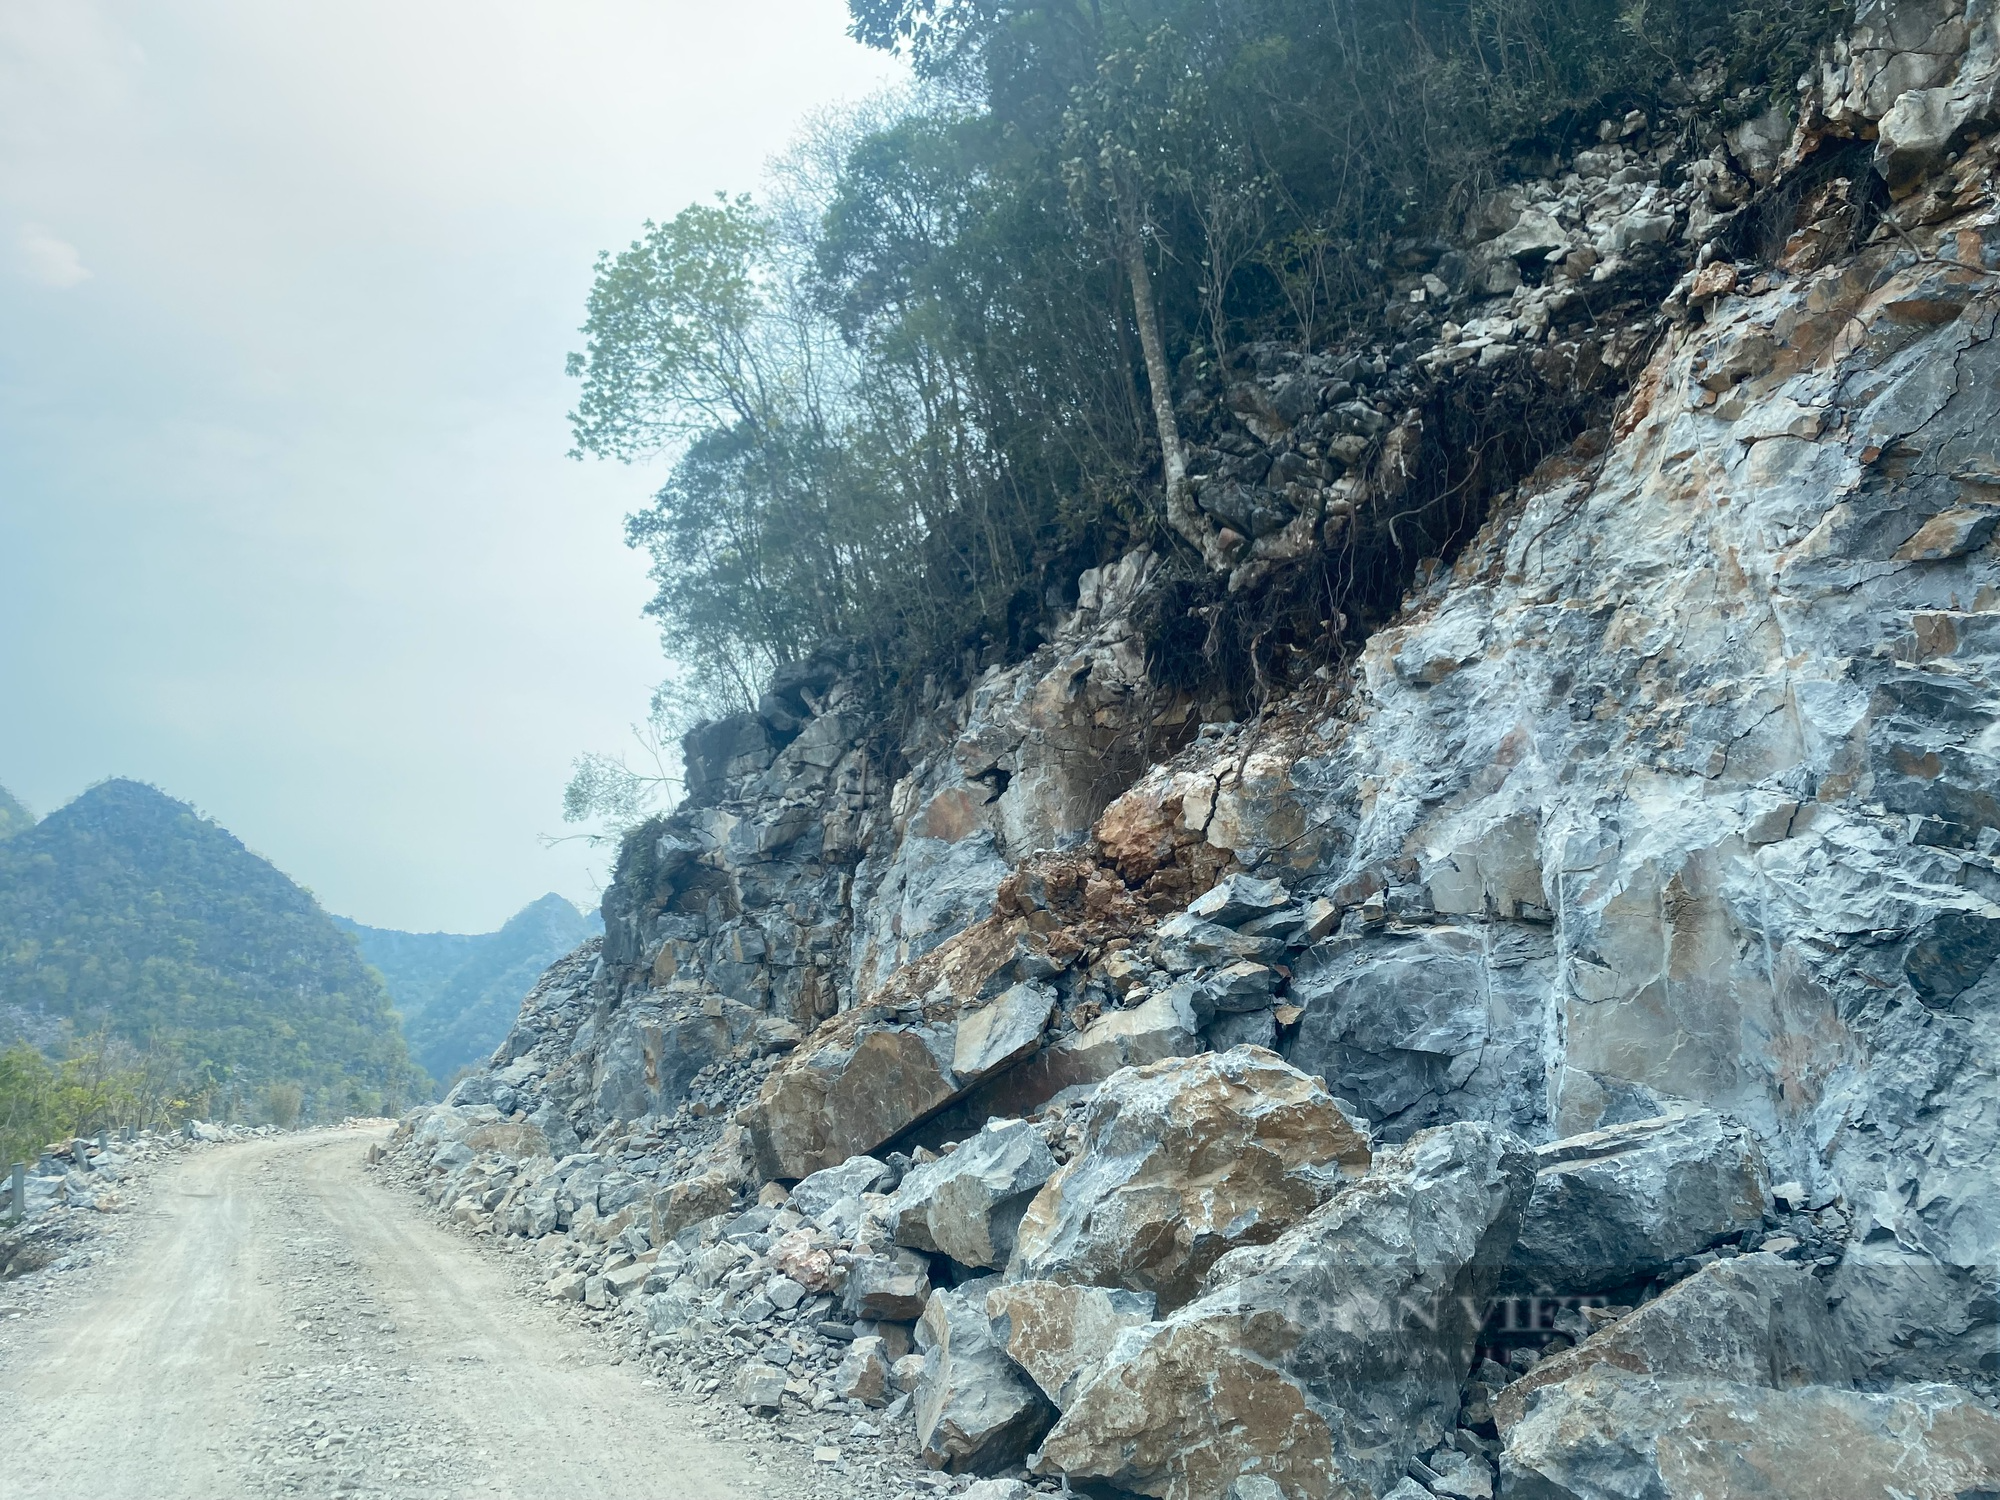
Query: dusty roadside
{"x": 267, "y": 1321}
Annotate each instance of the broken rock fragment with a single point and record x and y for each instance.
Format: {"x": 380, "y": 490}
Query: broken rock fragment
{"x": 889, "y": 1288}
{"x": 1236, "y": 899}
{"x": 1618, "y": 1205}
{"x": 1754, "y": 1320}
{"x": 976, "y": 1411}
{"x": 1321, "y": 1364}
{"x": 873, "y": 1073}
{"x": 968, "y": 1205}
{"x": 1060, "y": 1334}
{"x": 1183, "y": 1161}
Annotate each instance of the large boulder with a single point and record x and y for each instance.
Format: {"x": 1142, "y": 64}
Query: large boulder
{"x": 1183, "y": 1161}
{"x": 1319, "y": 1365}
{"x": 1618, "y": 1205}
{"x": 968, "y": 1205}
{"x": 1754, "y": 1320}
{"x": 1609, "y": 1435}
{"x": 873, "y": 1072}
{"x": 1062, "y": 1334}
{"x": 976, "y": 1411}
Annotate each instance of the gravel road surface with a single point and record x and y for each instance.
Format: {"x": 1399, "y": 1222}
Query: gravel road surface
{"x": 276, "y": 1323}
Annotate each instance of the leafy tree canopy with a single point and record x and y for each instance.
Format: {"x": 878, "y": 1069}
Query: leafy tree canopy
{"x": 938, "y": 371}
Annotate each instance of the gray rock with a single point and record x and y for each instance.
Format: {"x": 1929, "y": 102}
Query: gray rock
{"x": 1187, "y": 942}
{"x": 1614, "y": 1206}
{"x": 893, "y": 1287}
{"x": 760, "y": 1386}
{"x": 968, "y": 1205}
{"x": 1002, "y": 1033}
{"x": 1430, "y": 1024}
{"x": 1181, "y": 1162}
{"x": 863, "y": 1374}
{"x": 1460, "y": 1476}
{"x": 671, "y": 1310}
{"x": 1250, "y": 1028}
{"x": 1607, "y": 1435}
{"x": 1163, "y": 1025}
{"x": 837, "y": 1187}
{"x": 976, "y": 1411}
{"x": 1325, "y": 1361}
{"x": 1062, "y": 1335}
{"x": 1754, "y": 1320}
{"x": 1235, "y": 899}
{"x": 1239, "y": 986}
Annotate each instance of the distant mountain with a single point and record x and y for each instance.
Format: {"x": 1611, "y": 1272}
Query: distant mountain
{"x": 458, "y": 994}
{"x": 128, "y": 910}
{"x": 14, "y": 818}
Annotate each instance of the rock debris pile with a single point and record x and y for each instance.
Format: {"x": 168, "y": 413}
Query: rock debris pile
{"x": 1553, "y": 1057}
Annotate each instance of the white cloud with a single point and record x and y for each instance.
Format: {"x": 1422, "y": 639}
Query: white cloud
{"x": 49, "y": 259}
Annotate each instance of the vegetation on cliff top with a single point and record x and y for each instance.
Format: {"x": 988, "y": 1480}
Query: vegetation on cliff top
{"x": 910, "y": 397}
{"x": 128, "y": 915}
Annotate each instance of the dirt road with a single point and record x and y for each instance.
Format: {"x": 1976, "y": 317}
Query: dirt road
{"x": 283, "y": 1325}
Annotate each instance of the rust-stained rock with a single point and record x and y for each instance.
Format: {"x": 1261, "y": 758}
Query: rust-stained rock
{"x": 1061, "y": 1334}
{"x": 689, "y": 1201}
{"x": 976, "y": 1412}
{"x": 1317, "y": 1366}
{"x": 1607, "y": 1435}
{"x": 1951, "y": 533}
{"x": 807, "y": 1262}
{"x": 863, "y": 1374}
{"x": 871, "y": 1074}
{"x": 1183, "y": 1161}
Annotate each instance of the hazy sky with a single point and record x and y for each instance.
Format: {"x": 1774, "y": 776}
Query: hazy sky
{"x": 285, "y": 522}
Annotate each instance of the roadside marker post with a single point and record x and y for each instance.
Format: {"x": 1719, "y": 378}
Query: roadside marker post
{"x": 19, "y": 1204}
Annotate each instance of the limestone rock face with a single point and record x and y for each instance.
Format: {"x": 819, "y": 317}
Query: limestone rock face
{"x": 1183, "y": 1161}
{"x": 1755, "y": 1320}
{"x": 1657, "y": 827}
{"x": 968, "y": 1205}
{"x": 976, "y": 1411}
{"x": 1319, "y": 1364}
{"x": 1618, "y": 1205}
{"x": 1607, "y": 1435}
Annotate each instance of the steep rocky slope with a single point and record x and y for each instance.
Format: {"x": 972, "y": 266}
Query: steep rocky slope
{"x": 1554, "y": 1048}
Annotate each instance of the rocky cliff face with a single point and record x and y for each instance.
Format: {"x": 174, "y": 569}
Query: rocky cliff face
{"x": 1635, "y": 890}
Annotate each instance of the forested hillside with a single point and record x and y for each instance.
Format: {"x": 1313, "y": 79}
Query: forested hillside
{"x": 13, "y": 816}
{"x": 983, "y": 337}
{"x": 128, "y": 912}
{"x": 458, "y": 993}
